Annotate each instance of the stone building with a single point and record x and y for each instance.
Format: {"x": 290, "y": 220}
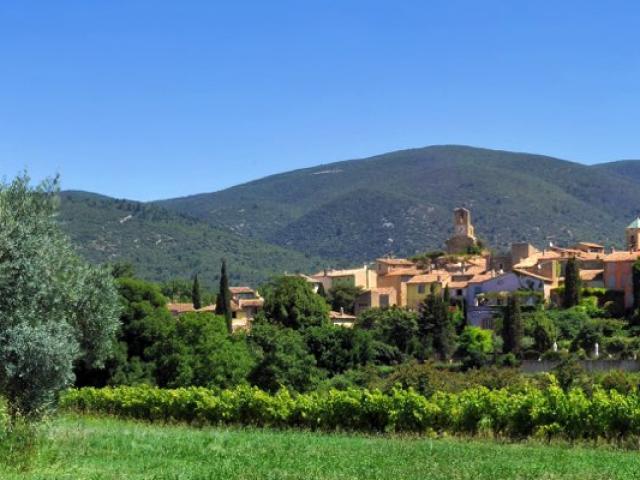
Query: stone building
{"x": 463, "y": 233}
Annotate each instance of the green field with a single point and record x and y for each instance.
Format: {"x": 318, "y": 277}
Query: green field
{"x": 91, "y": 448}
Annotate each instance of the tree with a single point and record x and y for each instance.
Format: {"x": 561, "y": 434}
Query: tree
{"x": 282, "y": 359}
{"x": 56, "y": 311}
{"x": 343, "y": 297}
{"x": 197, "y": 350}
{"x": 290, "y": 302}
{"x": 572, "y": 284}
{"x": 475, "y": 345}
{"x": 144, "y": 320}
{"x": 321, "y": 291}
{"x": 337, "y": 349}
{"x": 512, "y": 328}
{"x": 544, "y": 333}
{"x": 435, "y": 326}
{"x": 395, "y": 327}
{"x": 635, "y": 274}
{"x": 195, "y": 293}
{"x": 223, "y": 302}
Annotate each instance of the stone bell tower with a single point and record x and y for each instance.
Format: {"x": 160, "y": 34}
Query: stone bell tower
{"x": 463, "y": 233}
{"x": 632, "y": 234}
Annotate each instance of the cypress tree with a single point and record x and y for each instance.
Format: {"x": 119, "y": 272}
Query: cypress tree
{"x": 572, "y": 284}
{"x": 196, "y": 298}
{"x": 512, "y": 329}
{"x": 223, "y": 301}
{"x": 321, "y": 291}
{"x": 434, "y": 326}
{"x": 635, "y": 274}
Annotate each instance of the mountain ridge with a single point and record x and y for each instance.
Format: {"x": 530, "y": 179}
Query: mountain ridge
{"x": 397, "y": 203}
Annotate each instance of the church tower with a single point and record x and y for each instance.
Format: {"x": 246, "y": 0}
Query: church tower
{"x": 463, "y": 233}
{"x": 632, "y": 234}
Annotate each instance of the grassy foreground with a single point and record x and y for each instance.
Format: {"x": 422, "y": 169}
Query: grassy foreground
{"x": 106, "y": 448}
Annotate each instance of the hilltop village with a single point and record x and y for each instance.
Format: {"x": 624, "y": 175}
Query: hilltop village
{"x": 477, "y": 280}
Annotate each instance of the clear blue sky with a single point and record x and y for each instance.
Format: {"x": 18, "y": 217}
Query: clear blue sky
{"x": 152, "y": 99}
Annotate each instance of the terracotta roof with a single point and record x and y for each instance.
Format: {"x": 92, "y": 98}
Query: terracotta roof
{"x": 235, "y": 290}
{"x": 590, "y": 275}
{"x": 405, "y": 271}
{"x": 527, "y": 273}
{"x": 187, "y": 308}
{"x": 457, "y": 285}
{"x": 337, "y": 273}
{"x": 251, "y": 302}
{"x": 590, "y": 244}
{"x": 622, "y": 257}
{"x": 341, "y": 316}
{"x": 430, "y": 277}
{"x": 483, "y": 277}
{"x": 395, "y": 261}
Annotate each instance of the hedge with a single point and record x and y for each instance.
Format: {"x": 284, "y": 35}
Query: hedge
{"x": 549, "y": 412}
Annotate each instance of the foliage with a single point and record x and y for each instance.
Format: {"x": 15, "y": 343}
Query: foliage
{"x": 343, "y": 297}
{"x": 289, "y": 301}
{"x": 543, "y": 332}
{"x": 435, "y": 326}
{"x": 568, "y": 322}
{"x": 55, "y": 310}
{"x": 196, "y": 294}
{"x": 223, "y": 302}
{"x": 394, "y": 326}
{"x": 548, "y": 412}
{"x": 512, "y": 328}
{"x": 164, "y": 245}
{"x": 337, "y": 349}
{"x": 572, "y": 284}
{"x": 197, "y": 350}
{"x": 546, "y": 196}
{"x": 474, "y": 347}
{"x": 282, "y": 359}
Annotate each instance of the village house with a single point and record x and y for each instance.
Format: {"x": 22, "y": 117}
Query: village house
{"x": 618, "y": 273}
{"x": 342, "y": 319}
{"x": 419, "y": 286}
{"x": 486, "y": 294}
{"x": 245, "y": 305}
{"x": 379, "y": 297}
{"x": 363, "y": 277}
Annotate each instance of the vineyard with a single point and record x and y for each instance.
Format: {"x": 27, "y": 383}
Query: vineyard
{"x": 543, "y": 413}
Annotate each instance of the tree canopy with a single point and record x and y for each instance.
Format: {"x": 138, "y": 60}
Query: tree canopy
{"x": 55, "y": 309}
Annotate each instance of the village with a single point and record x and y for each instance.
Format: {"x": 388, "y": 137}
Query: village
{"x": 478, "y": 281}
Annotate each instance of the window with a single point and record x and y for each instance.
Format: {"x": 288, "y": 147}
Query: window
{"x": 459, "y": 292}
{"x": 384, "y": 301}
{"x": 421, "y": 289}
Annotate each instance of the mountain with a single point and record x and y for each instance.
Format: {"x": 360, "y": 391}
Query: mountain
{"x": 629, "y": 169}
{"x": 163, "y": 244}
{"x": 401, "y": 202}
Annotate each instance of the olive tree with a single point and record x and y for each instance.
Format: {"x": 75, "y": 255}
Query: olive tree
{"x": 56, "y": 311}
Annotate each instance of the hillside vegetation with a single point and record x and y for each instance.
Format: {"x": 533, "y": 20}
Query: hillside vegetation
{"x": 401, "y": 202}
{"x": 164, "y": 245}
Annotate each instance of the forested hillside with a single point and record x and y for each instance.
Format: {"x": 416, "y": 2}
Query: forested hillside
{"x": 401, "y": 202}
{"x": 163, "y": 245}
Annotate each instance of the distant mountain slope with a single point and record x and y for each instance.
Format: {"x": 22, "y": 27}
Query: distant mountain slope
{"x": 629, "y": 169}
{"x": 401, "y": 202}
{"x": 163, "y": 244}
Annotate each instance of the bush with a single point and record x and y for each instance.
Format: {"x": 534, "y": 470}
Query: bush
{"x": 548, "y": 412}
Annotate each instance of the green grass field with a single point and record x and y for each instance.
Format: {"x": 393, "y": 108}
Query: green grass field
{"x": 91, "y": 448}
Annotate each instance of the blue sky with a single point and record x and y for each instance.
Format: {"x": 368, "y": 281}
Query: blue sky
{"x": 151, "y": 99}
